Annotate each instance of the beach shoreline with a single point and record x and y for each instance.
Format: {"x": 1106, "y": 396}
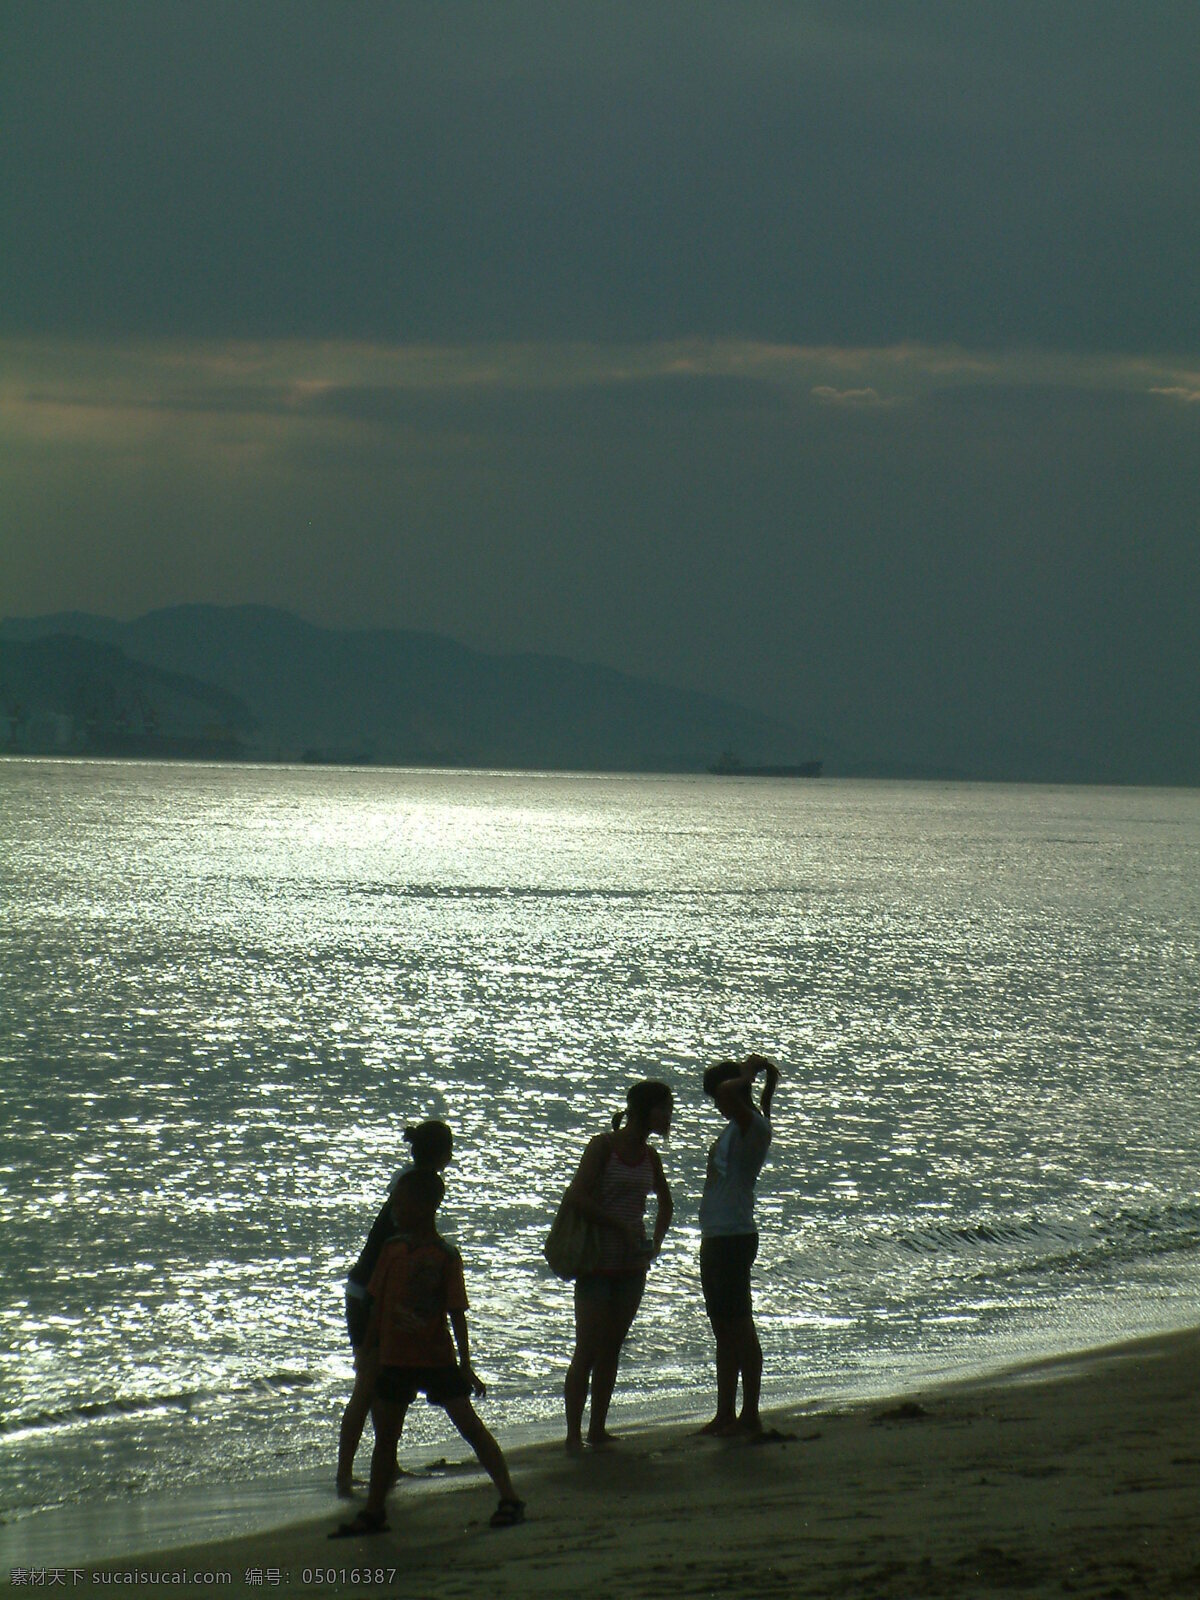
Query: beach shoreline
{"x": 1075, "y": 1472}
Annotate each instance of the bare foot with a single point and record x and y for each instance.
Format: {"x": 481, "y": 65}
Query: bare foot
{"x": 601, "y": 1441}
{"x": 574, "y": 1446}
{"x": 345, "y": 1489}
{"x": 720, "y": 1427}
{"x": 748, "y": 1426}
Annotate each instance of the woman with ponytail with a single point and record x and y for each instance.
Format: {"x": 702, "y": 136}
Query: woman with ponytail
{"x": 615, "y": 1177}
{"x": 432, "y": 1146}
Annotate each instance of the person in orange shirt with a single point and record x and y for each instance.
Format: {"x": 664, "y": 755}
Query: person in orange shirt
{"x": 419, "y": 1299}
{"x": 432, "y": 1145}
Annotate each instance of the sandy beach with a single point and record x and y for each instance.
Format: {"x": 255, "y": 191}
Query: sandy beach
{"x": 1076, "y": 1475}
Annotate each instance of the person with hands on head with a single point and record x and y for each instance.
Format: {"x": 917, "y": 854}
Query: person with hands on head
{"x": 418, "y": 1320}
{"x": 615, "y": 1177}
{"x": 729, "y": 1236}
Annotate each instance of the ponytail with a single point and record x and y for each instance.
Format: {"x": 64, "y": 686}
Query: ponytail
{"x": 641, "y": 1099}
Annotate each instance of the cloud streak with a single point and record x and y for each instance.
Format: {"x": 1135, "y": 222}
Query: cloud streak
{"x": 97, "y": 393}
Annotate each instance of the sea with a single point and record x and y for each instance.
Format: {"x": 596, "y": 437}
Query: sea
{"x": 227, "y": 989}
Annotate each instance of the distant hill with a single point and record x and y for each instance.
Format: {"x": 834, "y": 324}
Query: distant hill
{"x": 260, "y": 682}
{"x": 70, "y": 694}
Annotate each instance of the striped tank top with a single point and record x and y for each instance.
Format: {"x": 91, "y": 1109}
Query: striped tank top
{"x": 624, "y": 1188}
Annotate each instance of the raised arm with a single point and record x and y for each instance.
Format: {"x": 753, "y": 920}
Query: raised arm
{"x": 733, "y": 1095}
{"x": 770, "y": 1074}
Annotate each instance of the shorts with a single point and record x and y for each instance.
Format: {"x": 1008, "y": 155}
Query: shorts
{"x": 358, "y": 1315}
{"x": 725, "y": 1264}
{"x": 622, "y": 1290}
{"x": 437, "y": 1384}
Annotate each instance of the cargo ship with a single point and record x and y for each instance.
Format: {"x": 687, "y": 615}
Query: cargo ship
{"x": 729, "y": 766}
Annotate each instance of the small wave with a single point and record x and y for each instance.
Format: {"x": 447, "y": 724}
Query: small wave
{"x": 276, "y": 1383}
{"x": 184, "y": 1400}
{"x": 1062, "y": 1247}
{"x": 1120, "y": 1239}
{"x": 468, "y": 891}
{"x": 589, "y": 894}
{"x": 938, "y": 1238}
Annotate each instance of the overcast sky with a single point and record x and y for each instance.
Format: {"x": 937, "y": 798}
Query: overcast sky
{"x": 841, "y": 358}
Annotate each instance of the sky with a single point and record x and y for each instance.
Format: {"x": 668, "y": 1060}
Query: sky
{"x": 840, "y": 358}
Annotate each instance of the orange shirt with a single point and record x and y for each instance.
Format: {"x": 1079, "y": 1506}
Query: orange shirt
{"x": 415, "y": 1285}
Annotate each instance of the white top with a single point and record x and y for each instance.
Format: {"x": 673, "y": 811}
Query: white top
{"x": 734, "y": 1162}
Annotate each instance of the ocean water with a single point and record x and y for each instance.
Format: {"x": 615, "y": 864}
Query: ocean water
{"x": 226, "y": 990}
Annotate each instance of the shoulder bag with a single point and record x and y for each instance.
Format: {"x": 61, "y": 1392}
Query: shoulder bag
{"x": 572, "y": 1247}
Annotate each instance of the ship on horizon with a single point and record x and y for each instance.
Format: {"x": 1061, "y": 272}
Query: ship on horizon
{"x": 728, "y": 765}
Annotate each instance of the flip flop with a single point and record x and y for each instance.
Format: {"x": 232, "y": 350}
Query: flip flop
{"x": 508, "y": 1513}
{"x": 364, "y": 1523}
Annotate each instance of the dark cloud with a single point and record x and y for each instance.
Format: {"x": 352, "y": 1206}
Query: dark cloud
{"x": 844, "y": 172}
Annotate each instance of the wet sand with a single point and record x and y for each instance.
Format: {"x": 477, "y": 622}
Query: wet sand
{"x": 1078, "y": 1475}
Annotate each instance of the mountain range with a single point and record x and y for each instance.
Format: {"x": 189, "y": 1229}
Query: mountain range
{"x": 259, "y": 683}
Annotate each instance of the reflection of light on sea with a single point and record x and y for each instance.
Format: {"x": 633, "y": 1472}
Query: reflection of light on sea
{"x": 228, "y": 991}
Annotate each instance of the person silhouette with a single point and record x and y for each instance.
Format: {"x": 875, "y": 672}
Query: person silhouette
{"x": 615, "y": 1176}
{"x": 432, "y": 1146}
{"x": 418, "y": 1324}
{"x": 729, "y": 1237}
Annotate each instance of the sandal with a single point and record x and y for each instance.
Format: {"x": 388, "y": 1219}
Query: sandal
{"x": 508, "y": 1513}
{"x": 365, "y": 1522}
